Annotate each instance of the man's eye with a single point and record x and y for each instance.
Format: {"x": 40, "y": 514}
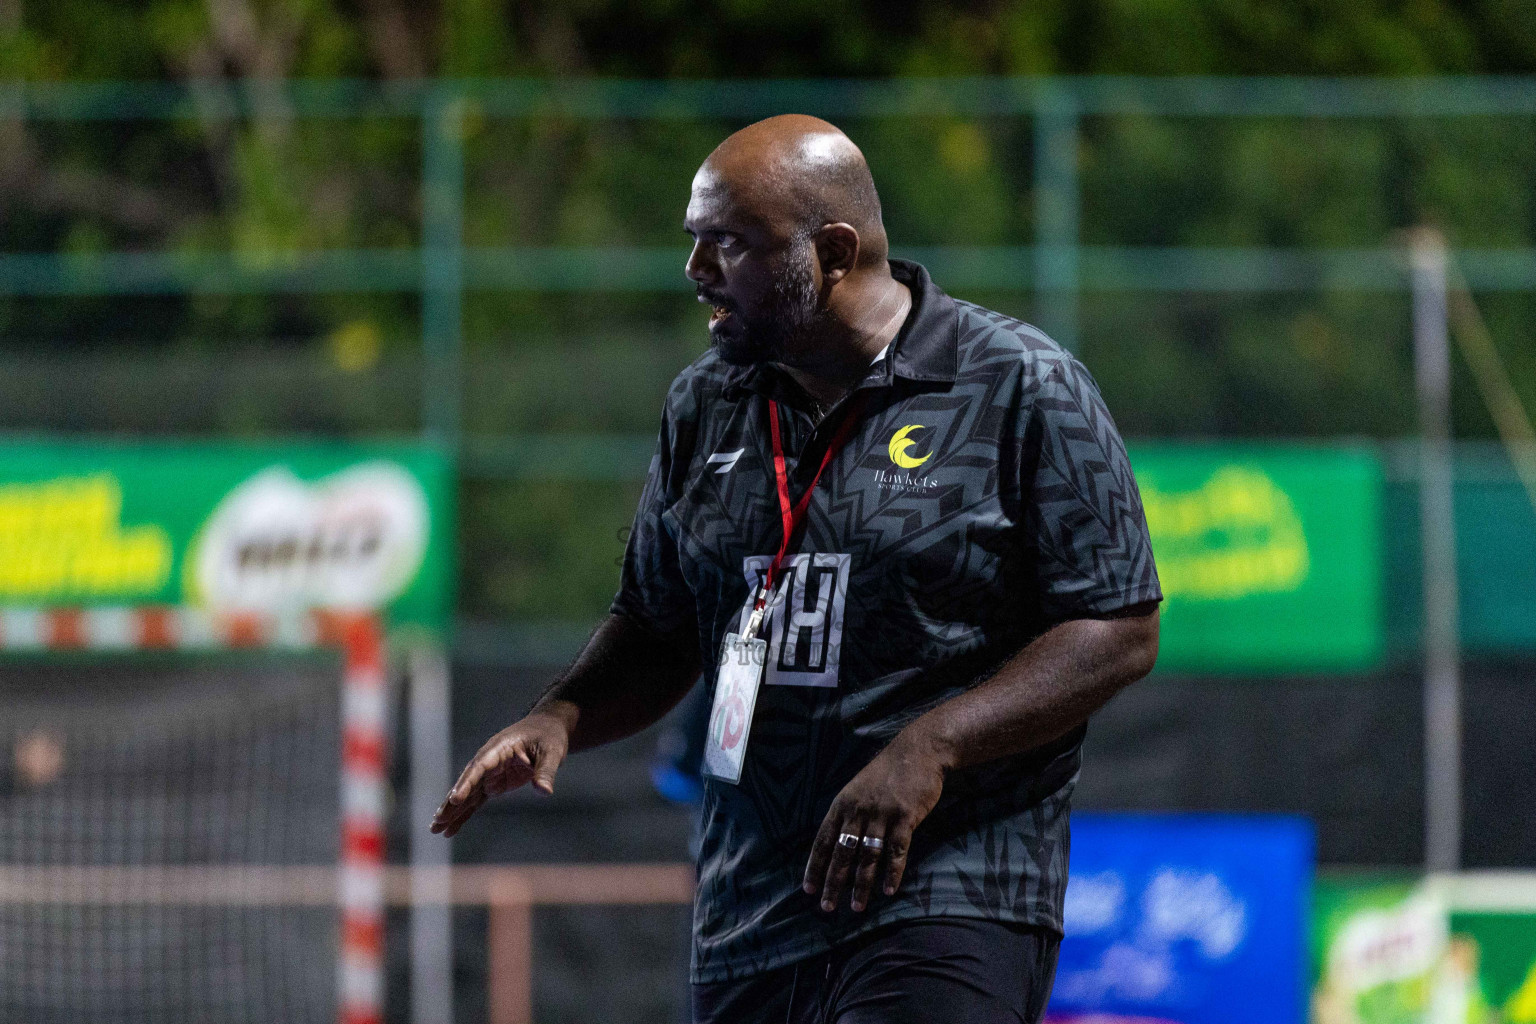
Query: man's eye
{"x": 728, "y": 241}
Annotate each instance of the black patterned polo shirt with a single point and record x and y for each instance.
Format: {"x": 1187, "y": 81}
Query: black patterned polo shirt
{"x": 983, "y": 496}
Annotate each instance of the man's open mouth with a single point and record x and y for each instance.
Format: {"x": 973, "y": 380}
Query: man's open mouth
{"x": 720, "y": 314}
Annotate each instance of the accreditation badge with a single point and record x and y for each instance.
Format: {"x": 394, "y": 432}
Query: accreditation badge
{"x": 730, "y": 720}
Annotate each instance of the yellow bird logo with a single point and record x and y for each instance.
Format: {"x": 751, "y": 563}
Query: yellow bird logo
{"x": 900, "y": 442}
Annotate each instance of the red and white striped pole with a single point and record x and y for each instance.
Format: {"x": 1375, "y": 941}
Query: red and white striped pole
{"x": 360, "y": 978}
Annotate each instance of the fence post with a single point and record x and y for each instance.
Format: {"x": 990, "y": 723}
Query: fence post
{"x": 427, "y": 683}
{"x": 1442, "y": 627}
{"x": 442, "y": 267}
{"x": 510, "y": 950}
{"x": 1057, "y": 201}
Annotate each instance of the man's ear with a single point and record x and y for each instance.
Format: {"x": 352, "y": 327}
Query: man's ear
{"x": 837, "y": 249}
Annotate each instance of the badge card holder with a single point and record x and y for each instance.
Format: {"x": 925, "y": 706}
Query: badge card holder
{"x": 742, "y": 663}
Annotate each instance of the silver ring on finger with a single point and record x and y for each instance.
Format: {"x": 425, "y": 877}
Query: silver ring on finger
{"x": 874, "y": 843}
{"x": 847, "y": 840}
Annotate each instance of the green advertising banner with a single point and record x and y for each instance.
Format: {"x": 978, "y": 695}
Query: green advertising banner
{"x": 1391, "y": 949}
{"x": 228, "y": 527}
{"x": 1269, "y": 555}
{"x": 1501, "y": 946}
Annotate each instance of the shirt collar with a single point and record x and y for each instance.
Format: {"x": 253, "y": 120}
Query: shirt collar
{"x": 925, "y": 349}
{"x": 928, "y": 345}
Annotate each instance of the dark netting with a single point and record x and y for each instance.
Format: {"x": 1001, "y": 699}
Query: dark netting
{"x": 138, "y": 771}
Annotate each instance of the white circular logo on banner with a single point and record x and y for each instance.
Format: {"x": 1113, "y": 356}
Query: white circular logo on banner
{"x": 353, "y": 540}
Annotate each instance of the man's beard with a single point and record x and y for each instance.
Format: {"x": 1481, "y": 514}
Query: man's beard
{"x": 779, "y": 330}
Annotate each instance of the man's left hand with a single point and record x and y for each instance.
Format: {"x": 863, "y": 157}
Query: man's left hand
{"x": 883, "y": 803}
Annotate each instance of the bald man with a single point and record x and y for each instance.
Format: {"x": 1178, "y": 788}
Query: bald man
{"x": 899, "y": 534}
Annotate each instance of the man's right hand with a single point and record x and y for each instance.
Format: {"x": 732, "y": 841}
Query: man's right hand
{"x": 526, "y": 751}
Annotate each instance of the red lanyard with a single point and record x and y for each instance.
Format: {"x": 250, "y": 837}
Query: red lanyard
{"x": 793, "y": 514}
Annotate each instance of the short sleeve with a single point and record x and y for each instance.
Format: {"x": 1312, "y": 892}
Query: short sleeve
{"x": 652, "y": 590}
{"x": 1082, "y": 512}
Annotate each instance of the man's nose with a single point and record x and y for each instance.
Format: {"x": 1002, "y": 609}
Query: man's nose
{"x": 701, "y": 267}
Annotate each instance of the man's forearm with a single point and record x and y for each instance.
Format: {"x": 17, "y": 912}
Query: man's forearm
{"x": 1041, "y": 693}
{"x": 625, "y": 678}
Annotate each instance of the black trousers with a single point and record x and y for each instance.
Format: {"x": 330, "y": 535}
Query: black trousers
{"x": 950, "y": 970}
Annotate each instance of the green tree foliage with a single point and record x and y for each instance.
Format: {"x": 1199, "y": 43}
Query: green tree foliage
{"x": 753, "y": 38}
{"x": 1292, "y": 364}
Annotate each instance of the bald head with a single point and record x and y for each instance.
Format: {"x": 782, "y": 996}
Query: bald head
{"x": 788, "y": 246}
{"x": 802, "y": 173}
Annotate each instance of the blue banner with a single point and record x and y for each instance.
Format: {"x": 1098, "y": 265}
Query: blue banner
{"x": 1185, "y": 919}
